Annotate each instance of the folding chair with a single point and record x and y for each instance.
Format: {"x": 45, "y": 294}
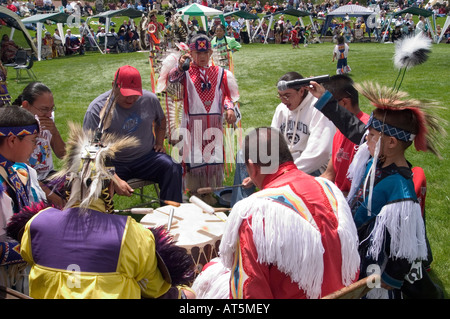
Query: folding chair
{"x": 137, "y": 183}
{"x": 28, "y": 67}
{"x": 20, "y": 59}
{"x": 357, "y": 290}
{"x": 112, "y": 44}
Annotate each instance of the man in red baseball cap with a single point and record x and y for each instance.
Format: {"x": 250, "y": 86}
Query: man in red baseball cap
{"x": 137, "y": 113}
{"x": 129, "y": 81}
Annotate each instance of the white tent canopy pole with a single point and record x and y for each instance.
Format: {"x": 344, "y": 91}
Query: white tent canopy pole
{"x": 268, "y": 29}
{"x": 446, "y": 24}
{"x": 257, "y": 29}
{"x": 247, "y": 24}
{"x": 61, "y": 32}
{"x": 39, "y": 26}
{"x": 89, "y": 35}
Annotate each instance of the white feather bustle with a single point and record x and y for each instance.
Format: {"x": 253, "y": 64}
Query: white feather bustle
{"x": 213, "y": 282}
{"x": 411, "y": 51}
{"x": 167, "y": 64}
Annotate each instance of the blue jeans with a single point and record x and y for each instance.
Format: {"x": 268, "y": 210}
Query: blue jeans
{"x": 156, "y": 167}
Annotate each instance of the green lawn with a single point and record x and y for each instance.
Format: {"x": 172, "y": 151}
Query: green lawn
{"x": 77, "y": 80}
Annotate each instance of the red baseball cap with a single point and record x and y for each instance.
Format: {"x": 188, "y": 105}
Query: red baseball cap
{"x": 129, "y": 81}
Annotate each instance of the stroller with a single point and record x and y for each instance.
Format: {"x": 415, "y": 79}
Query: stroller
{"x": 73, "y": 45}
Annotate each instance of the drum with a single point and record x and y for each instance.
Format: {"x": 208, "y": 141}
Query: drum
{"x": 198, "y": 232}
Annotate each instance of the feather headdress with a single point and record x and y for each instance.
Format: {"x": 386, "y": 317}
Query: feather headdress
{"x": 86, "y": 165}
{"x": 430, "y": 130}
{"x": 409, "y": 52}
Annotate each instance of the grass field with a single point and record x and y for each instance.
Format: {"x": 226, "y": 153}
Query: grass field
{"x": 77, "y": 80}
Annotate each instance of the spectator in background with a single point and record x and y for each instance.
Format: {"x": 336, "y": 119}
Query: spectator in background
{"x": 48, "y": 5}
{"x": 39, "y": 4}
{"x": 132, "y": 38}
{"x": 58, "y": 44}
{"x": 31, "y": 7}
{"x": 8, "y": 49}
{"x": 12, "y": 7}
{"x": 24, "y": 11}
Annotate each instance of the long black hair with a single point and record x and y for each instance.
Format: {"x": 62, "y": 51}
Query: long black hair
{"x": 31, "y": 92}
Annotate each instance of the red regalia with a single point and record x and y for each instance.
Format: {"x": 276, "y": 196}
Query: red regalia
{"x": 263, "y": 247}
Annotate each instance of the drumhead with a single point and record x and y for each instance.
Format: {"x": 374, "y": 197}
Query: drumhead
{"x": 190, "y": 225}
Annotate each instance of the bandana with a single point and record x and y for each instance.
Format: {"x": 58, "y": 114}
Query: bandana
{"x": 19, "y": 130}
{"x": 390, "y": 130}
{"x": 200, "y": 45}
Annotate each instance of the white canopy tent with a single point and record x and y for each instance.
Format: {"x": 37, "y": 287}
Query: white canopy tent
{"x": 39, "y": 20}
{"x": 350, "y": 10}
{"x": 127, "y": 12}
{"x": 13, "y": 21}
{"x": 419, "y": 12}
{"x": 203, "y": 12}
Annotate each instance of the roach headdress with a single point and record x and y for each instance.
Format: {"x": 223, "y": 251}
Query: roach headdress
{"x": 430, "y": 127}
{"x": 87, "y": 166}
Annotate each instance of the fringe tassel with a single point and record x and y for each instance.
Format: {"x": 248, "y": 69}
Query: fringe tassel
{"x": 356, "y": 169}
{"x": 371, "y": 176}
{"x": 347, "y": 234}
{"x": 280, "y": 236}
{"x": 404, "y": 222}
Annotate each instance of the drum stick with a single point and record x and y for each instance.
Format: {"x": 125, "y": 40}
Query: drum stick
{"x": 207, "y": 190}
{"x": 169, "y": 223}
{"x": 140, "y": 211}
{"x": 205, "y": 207}
{"x": 167, "y": 202}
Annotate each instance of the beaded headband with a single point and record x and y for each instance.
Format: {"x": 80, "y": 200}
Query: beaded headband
{"x": 389, "y": 130}
{"x": 19, "y": 130}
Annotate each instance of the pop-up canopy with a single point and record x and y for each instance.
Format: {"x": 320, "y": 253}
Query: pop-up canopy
{"x": 127, "y": 12}
{"x": 13, "y": 21}
{"x": 39, "y": 20}
{"x": 198, "y": 10}
{"x": 351, "y": 10}
{"x": 420, "y": 12}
